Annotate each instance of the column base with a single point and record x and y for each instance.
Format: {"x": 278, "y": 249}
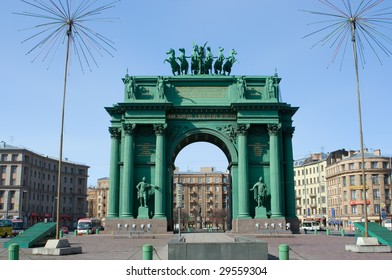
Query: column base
{"x": 244, "y": 216}
{"x": 112, "y": 216}
{"x": 159, "y": 216}
{"x": 126, "y": 215}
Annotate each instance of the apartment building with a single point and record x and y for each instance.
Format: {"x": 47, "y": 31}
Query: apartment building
{"x": 28, "y": 187}
{"x": 310, "y": 188}
{"x": 205, "y": 198}
{"x": 345, "y": 187}
{"x": 97, "y": 199}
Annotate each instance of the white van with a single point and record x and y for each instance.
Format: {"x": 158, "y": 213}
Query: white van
{"x": 311, "y": 225}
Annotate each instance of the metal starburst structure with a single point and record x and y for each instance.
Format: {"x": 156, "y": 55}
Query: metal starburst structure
{"x": 358, "y": 21}
{"x": 66, "y": 22}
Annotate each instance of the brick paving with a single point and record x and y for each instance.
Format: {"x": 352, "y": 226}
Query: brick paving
{"x": 122, "y": 247}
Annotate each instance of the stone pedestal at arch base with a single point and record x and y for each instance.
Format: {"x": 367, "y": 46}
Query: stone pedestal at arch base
{"x": 158, "y": 226}
{"x": 248, "y": 226}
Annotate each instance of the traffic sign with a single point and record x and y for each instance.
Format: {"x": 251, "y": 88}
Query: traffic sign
{"x": 383, "y": 214}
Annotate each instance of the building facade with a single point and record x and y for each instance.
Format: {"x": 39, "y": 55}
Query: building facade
{"x": 28, "y": 187}
{"x": 310, "y": 188}
{"x": 205, "y": 198}
{"x": 97, "y": 199}
{"x": 345, "y": 187}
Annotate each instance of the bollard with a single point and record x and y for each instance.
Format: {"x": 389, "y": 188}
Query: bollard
{"x": 283, "y": 252}
{"x": 13, "y": 252}
{"x": 342, "y": 232}
{"x": 147, "y": 252}
{"x": 87, "y": 232}
{"x": 315, "y": 232}
{"x": 75, "y": 232}
{"x": 61, "y": 233}
{"x": 327, "y": 231}
{"x": 97, "y": 231}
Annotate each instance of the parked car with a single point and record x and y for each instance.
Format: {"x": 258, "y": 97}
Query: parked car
{"x": 64, "y": 230}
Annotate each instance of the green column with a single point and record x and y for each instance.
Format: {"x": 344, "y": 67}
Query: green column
{"x": 276, "y": 192}
{"x": 289, "y": 173}
{"x": 126, "y": 193}
{"x": 159, "y": 171}
{"x": 243, "y": 181}
{"x": 113, "y": 209}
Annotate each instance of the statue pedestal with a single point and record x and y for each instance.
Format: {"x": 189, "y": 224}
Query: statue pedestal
{"x": 142, "y": 213}
{"x": 260, "y": 212}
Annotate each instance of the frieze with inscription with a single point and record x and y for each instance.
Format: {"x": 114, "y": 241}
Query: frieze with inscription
{"x": 201, "y": 92}
{"x": 200, "y": 116}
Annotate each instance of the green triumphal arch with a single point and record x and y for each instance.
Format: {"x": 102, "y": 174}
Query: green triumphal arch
{"x": 242, "y": 115}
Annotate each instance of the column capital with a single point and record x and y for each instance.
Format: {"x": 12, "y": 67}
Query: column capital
{"x": 129, "y": 128}
{"x": 160, "y": 128}
{"x": 242, "y": 129}
{"x": 289, "y": 131}
{"x": 115, "y": 132}
{"x": 273, "y": 129}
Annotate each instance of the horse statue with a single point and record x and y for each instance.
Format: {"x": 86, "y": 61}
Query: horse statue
{"x": 195, "y": 59}
{"x": 219, "y": 62}
{"x": 229, "y": 62}
{"x": 183, "y": 62}
{"x": 172, "y": 60}
{"x": 208, "y": 62}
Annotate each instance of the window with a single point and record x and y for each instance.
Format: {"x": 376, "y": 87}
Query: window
{"x": 217, "y": 188}
{"x": 386, "y": 181}
{"x": 352, "y": 180}
{"x": 376, "y": 193}
{"x": 351, "y": 166}
{"x": 190, "y": 180}
{"x": 353, "y": 194}
{"x": 344, "y": 181}
{"x": 375, "y": 179}
{"x": 354, "y": 209}
{"x": 216, "y": 179}
{"x": 4, "y": 157}
{"x": 373, "y": 164}
{"x": 376, "y": 208}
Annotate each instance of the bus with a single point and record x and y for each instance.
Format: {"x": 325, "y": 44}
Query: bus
{"x": 312, "y": 225}
{"x": 5, "y": 228}
{"x": 88, "y": 225}
{"x": 17, "y": 226}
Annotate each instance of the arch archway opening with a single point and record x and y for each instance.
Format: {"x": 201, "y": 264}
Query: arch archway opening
{"x": 202, "y": 173}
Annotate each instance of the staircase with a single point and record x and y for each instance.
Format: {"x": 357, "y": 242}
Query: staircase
{"x": 383, "y": 235}
{"x": 34, "y": 236}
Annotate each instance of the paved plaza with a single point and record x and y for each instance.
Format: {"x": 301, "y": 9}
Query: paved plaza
{"x": 106, "y": 246}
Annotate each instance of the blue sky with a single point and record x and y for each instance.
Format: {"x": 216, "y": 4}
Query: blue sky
{"x": 267, "y": 35}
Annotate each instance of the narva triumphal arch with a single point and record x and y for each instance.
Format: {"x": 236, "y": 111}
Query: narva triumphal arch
{"x": 160, "y": 115}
